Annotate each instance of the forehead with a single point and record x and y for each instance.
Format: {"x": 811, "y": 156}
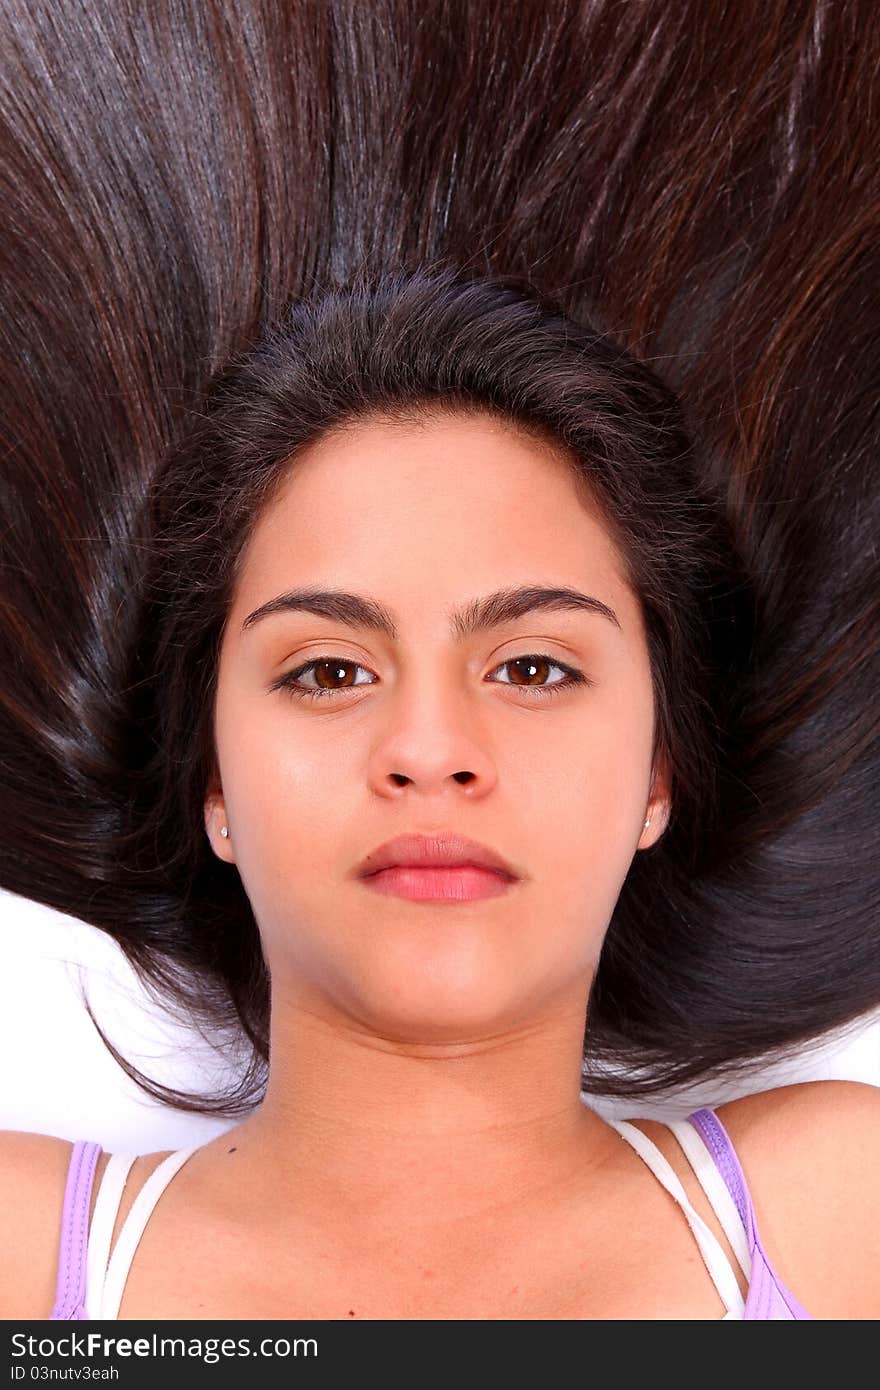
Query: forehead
{"x": 432, "y": 507}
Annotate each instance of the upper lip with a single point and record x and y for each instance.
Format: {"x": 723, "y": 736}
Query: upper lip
{"x": 439, "y": 848}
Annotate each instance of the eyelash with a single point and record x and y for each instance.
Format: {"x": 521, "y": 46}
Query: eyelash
{"x": 573, "y": 677}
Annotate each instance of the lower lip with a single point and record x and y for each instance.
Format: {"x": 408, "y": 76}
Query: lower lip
{"x": 441, "y": 884}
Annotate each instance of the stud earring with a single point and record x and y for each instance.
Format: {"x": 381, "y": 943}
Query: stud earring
{"x": 647, "y": 823}
{"x": 224, "y": 831}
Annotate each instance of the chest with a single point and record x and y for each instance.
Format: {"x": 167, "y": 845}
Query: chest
{"x": 633, "y": 1263}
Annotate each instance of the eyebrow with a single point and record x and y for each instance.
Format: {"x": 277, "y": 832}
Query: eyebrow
{"x": 481, "y": 614}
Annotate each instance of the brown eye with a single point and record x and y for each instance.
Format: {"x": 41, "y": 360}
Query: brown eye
{"x": 327, "y": 673}
{"x": 531, "y": 672}
{"x": 333, "y": 674}
{"x": 330, "y": 673}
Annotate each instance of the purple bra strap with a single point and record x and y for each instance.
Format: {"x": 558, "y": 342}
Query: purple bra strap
{"x": 768, "y": 1296}
{"x": 70, "y": 1292}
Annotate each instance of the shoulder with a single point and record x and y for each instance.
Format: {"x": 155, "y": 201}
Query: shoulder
{"x": 33, "y": 1174}
{"x": 33, "y": 1178}
{"x": 810, "y": 1153}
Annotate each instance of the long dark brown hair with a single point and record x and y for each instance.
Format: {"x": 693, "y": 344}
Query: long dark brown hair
{"x": 690, "y": 194}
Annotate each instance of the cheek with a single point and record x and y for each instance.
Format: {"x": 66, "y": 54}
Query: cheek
{"x": 588, "y": 825}
{"x": 283, "y": 797}
{"x": 594, "y": 745}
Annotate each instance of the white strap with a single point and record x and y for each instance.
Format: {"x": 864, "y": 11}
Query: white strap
{"x": 714, "y": 1258}
{"x": 133, "y": 1229}
{"x": 101, "y": 1229}
{"x": 715, "y": 1189}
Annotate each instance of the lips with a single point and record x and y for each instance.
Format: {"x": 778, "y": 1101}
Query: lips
{"x": 441, "y": 849}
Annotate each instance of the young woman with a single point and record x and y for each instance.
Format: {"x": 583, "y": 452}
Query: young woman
{"x": 429, "y": 715}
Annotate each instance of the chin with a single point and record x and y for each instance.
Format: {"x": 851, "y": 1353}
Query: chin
{"x": 431, "y": 1012}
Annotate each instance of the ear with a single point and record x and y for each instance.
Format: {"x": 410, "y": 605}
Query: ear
{"x": 659, "y": 804}
{"x": 215, "y": 819}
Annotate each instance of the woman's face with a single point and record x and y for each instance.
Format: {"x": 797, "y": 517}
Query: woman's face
{"x": 429, "y": 728}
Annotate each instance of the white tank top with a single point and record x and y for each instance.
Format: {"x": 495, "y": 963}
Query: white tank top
{"x": 106, "y": 1274}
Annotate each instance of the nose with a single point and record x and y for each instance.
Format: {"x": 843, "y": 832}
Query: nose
{"x": 463, "y": 777}
{"x": 435, "y": 740}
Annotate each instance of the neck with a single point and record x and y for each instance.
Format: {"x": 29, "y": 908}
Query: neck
{"x": 403, "y": 1135}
